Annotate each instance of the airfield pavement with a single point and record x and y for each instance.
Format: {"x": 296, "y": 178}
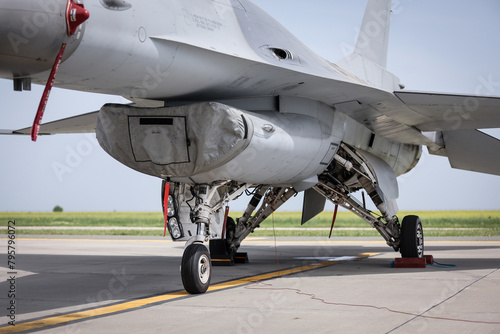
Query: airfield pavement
{"x": 133, "y": 285}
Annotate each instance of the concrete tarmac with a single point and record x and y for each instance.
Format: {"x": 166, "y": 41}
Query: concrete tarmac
{"x": 133, "y": 285}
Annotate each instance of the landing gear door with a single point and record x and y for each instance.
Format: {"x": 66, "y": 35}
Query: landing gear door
{"x": 385, "y": 175}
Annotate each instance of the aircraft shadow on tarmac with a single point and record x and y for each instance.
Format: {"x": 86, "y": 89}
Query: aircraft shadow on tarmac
{"x": 61, "y": 281}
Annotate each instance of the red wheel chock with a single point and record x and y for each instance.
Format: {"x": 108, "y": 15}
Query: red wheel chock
{"x": 413, "y": 262}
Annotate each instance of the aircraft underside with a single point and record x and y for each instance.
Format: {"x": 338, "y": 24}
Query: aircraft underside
{"x": 199, "y": 213}
{"x": 209, "y": 154}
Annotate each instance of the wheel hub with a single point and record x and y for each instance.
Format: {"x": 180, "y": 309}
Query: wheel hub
{"x": 204, "y": 269}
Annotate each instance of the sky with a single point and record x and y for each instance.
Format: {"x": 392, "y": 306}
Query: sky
{"x": 441, "y": 46}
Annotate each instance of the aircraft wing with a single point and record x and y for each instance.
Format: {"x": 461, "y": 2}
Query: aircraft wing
{"x": 84, "y": 123}
{"x": 447, "y": 112}
{"x": 455, "y": 120}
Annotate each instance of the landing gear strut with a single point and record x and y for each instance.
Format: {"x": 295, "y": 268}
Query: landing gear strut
{"x": 351, "y": 171}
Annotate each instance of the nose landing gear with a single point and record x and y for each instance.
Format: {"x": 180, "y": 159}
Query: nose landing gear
{"x": 207, "y": 216}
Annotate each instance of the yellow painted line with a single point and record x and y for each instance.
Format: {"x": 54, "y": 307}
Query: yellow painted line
{"x": 100, "y": 311}
{"x": 275, "y": 274}
{"x": 61, "y": 319}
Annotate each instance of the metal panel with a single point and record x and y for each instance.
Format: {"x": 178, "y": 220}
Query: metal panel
{"x": 473, "y": 150}
{"x": 314, "y": 204}
{"x": 385, "y": 175}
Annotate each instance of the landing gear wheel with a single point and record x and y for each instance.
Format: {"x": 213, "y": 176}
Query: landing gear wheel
{"x": 412, "y": 237}
{"x": 196, "y": 269}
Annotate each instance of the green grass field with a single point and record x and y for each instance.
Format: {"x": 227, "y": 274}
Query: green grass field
{"x": 452, "y": 223}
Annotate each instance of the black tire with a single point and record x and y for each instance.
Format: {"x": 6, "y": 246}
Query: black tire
{"x": 412, "y": 237}
{"x": 196, "y": 269}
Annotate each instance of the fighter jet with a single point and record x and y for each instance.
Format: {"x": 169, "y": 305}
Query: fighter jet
{"x": 226, "y": 101}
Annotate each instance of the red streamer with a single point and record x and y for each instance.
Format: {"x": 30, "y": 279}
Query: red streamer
{"x": 334, "y": 218}
{"x": 45, "y": 97}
